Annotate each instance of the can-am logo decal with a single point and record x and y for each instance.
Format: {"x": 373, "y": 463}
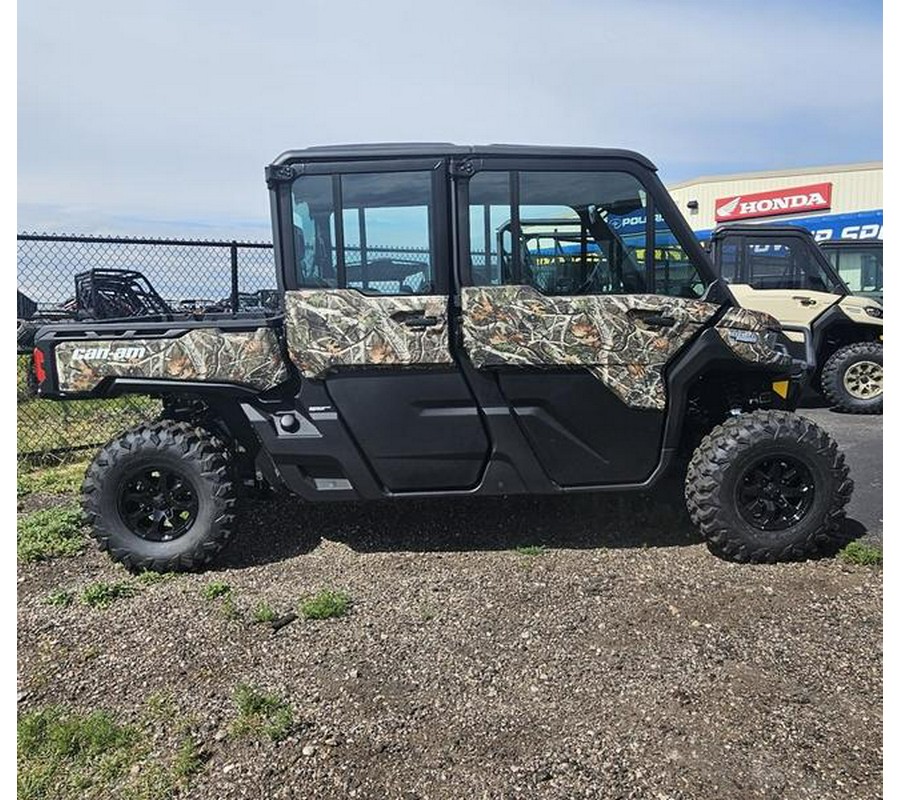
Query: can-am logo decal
{"x": 108, "y": 353}
{"x": 815, "y": 197}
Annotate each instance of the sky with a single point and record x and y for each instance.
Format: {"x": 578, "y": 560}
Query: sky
{"x": 158, "y": 118}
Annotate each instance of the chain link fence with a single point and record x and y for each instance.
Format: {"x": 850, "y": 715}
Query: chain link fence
{"x": 188, "y": 275}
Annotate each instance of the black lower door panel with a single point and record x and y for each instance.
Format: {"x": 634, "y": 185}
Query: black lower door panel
{"x": 581, "y": 432}
{"x": 420, "y": 430}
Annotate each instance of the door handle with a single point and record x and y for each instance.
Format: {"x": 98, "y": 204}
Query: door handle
{"x": 421, "y": 322}
{"x": 657, "y": 320}
{"x": 411, "y": 319}
{"x": 804, "y": 301}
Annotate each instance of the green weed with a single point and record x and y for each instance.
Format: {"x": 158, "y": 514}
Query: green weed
{"x": 60, "y": 598}
{"x": 325, "y": 604}
{"x": 863, "y": 554}
{"x": 152, "y": 578}
{"x": 103, "y": 595}
{"x": 531, "y": 550}
{"x": 263, "y": 612}
{"x": 67, "y": 755}
{"x": 62, "y": 479}
{"x": 214, "y": 590}
{"x": 49, "y": 533}
{"x": 261, "y": 713}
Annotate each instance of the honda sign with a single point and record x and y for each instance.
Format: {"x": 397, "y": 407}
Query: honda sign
{"x": 798, "y": 199}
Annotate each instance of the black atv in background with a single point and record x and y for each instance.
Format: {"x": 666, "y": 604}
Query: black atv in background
{"x": 100, "y": 294}
{"x": 428, "y": 347}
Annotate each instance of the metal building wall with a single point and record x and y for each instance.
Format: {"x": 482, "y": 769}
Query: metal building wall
{"x": 856, "y": 187}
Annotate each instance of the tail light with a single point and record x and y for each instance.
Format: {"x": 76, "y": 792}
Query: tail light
{"x": 39, "y": 371}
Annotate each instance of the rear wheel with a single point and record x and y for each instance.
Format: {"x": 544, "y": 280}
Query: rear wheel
{"x": 768, "y": 486}
{"x": 160, "y": 498}
{"x": 853, "y": 377}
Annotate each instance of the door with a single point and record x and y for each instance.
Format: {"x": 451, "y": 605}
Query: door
{"x": 780, "y": 275}
{"x": 558, "y": 309}
{"x": 366, "y": 315}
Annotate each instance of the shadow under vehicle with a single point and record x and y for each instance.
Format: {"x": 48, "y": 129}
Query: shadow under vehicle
{"x": 420, "y": 353}
{"x": 781, "y": 270}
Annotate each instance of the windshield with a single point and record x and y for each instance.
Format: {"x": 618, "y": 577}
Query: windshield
{"x": 859, "y": 267}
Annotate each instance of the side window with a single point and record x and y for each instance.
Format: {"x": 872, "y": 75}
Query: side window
{"x": 387, "y": 232}
{"x": 860, "y": 269}
{"x": 728, "y": 261}
{"x": 570, "y": 233}
{"x": 771, "y": 265}
{"x": 785, "y": 264}
{"x": 490, "y": 231}
{"x": 313, "y": 231}
{"x": 674, "y": 272}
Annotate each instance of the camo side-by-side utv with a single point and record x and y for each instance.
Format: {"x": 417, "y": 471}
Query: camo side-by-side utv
{"x": 431, "y": 347}
{"x": 781, "y": 270}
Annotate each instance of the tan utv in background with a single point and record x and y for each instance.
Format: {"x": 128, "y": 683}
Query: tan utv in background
{"x": 782, "y": 271}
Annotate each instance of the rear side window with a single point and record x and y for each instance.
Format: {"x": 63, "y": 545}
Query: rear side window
{"x": 313, "y": 230}
{"x": 367, "y": 231}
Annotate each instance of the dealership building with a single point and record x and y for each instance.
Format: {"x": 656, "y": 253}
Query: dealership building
{"x": 836, "y": 202}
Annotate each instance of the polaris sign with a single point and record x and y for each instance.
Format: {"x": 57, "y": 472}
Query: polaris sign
{"x": 816, "y": 197}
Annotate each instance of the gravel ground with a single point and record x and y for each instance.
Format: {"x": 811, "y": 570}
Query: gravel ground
{"x": 624, "y": 661}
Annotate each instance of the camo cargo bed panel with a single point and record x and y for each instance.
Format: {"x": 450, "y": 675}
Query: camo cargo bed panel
{"x": 203, "y": 354}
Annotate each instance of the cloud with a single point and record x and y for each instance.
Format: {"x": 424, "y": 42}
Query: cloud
{"x": 167, "y": 112}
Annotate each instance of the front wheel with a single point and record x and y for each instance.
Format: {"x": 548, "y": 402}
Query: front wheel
{"x": 852, "y": 378}
{"x": 159, "y": 497}
{"x": 768, "y": 486}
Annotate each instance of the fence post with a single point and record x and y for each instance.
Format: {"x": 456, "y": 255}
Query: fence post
{"x": 235, "y": 300}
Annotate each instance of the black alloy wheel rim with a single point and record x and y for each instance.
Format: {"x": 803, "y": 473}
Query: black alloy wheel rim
{"x": 775, "y": 493}
{"x": 158, "y": 504}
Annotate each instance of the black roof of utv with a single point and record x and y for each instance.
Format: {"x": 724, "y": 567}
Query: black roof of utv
{"x": 350, "y": 152}
{"x": 846, "y": 243}
{"x": 760, "y": 229}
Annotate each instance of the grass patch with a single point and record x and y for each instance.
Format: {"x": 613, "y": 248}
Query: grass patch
{"x": 152, "y": 578}
{"x": 62, "y": 479}
{"x": 863, "y": 554}
{"x": 64, "y": 755}
{"x": 45, "y": 425}
{"x": 260, "y": 713}
{"x": 189, "y": 760}
{"x": 49, "y": 533}
{"x": 263, "y": 612}
{"x": 325, "y": 605}
{"x": 161, "y": 706}
{"x": 531, "y": 550}
{"x": 60, "y": 598}
{"x": 214, "y": 590}
{"x": 103, "y": 595}
{"x": 229, "y": 608}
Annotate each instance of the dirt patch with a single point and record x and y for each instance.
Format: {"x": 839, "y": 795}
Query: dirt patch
{"x": 621, "y": 660}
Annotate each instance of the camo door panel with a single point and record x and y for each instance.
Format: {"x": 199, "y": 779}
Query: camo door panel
{"x": 608, "y": 334}
{"x": 202, "y": 354}
{"x": 345, "y": 328}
